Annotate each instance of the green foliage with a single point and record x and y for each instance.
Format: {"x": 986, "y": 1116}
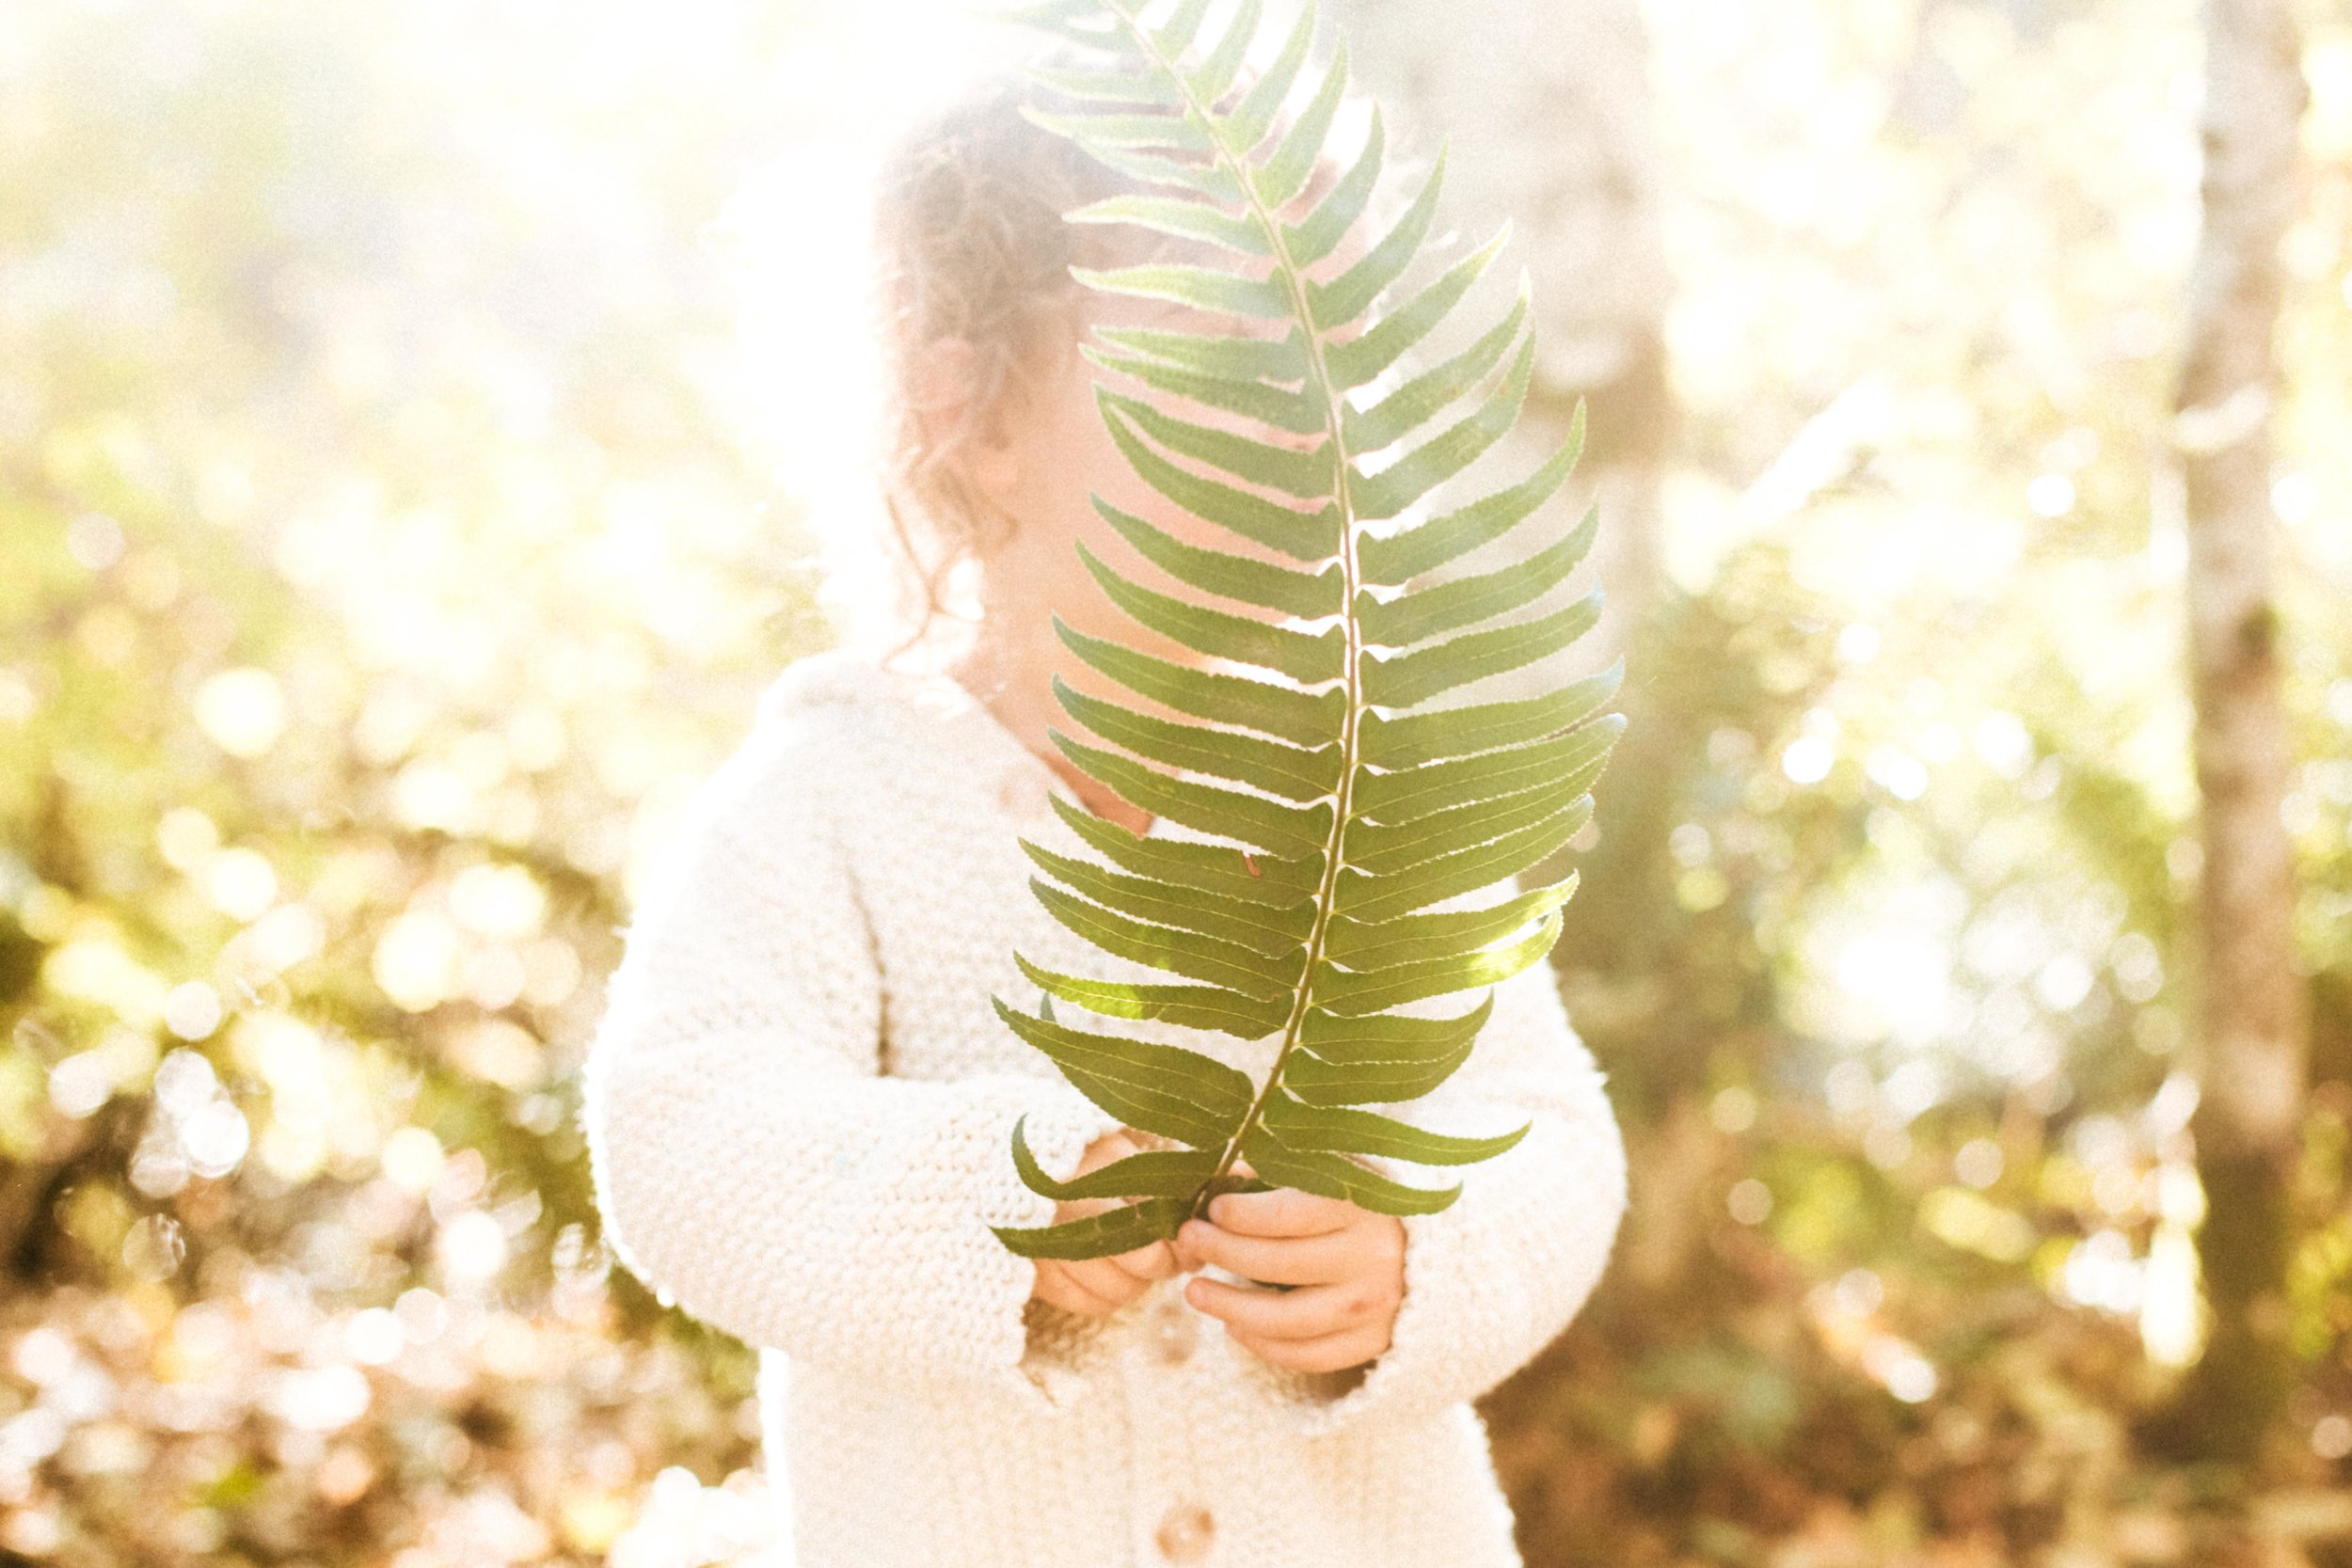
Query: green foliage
{"x": 1347, "y": 811}
{"x": 287, "y": 281}
{"x": 286, "y": 530}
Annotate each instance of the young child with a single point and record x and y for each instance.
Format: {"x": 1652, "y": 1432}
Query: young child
{"x": 800, "y": 1100}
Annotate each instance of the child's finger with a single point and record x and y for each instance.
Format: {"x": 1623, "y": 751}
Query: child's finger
{"x": 1153, "y": 1261}
{"x": 1108, "y": 1149}
{"x": 1106, "y": 1280}
{"x": 1329, "y": 1354}
{"x": 1306, "y": 1312}
{"x": 1087, "y": 1276}
{"x": 1274, "y": 1259}
{"x": 1283, "y": 1212}
{"x": 1059, "y": 1286}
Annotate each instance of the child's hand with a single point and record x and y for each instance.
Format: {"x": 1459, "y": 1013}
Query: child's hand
{"x": 1099, "y": 1286}
{"x": 1348, "y": 1262}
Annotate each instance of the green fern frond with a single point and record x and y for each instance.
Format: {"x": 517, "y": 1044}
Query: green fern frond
{"x": 1343, "y": 810}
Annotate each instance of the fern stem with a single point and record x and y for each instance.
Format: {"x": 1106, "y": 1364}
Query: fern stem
{"x": 1327, "y": 894}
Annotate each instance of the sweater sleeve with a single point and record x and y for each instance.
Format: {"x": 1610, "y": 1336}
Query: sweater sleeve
{"x": 750, "y": 1162}
{"x": 1493, "y": 1277}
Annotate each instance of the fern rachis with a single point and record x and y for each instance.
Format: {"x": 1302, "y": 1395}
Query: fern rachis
{"x": 1343, "y": 808}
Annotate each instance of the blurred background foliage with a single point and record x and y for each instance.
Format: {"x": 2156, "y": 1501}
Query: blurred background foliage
{"x": 393, "y": 529}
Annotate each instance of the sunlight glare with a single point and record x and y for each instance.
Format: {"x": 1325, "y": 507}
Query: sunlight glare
{"x": 795, "y": 239}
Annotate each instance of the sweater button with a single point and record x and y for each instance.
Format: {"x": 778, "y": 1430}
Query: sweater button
{"x": 1185, "y": 1534}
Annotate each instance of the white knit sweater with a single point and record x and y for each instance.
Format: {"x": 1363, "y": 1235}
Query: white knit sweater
{"x": 798, "y": 1109}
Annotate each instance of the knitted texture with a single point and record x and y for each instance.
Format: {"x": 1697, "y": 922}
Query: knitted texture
{"x": 798, "y": 1105}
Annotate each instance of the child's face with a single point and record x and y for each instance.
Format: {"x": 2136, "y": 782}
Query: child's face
{"x": 1050, "y": 451}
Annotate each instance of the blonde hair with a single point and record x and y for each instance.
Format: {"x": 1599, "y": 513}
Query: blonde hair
{"x": 970, "y": 245}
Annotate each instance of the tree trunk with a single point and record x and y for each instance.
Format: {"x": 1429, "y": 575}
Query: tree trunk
{"x": 2251, "y": 1028}
{"x": 1547, "y": 110}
